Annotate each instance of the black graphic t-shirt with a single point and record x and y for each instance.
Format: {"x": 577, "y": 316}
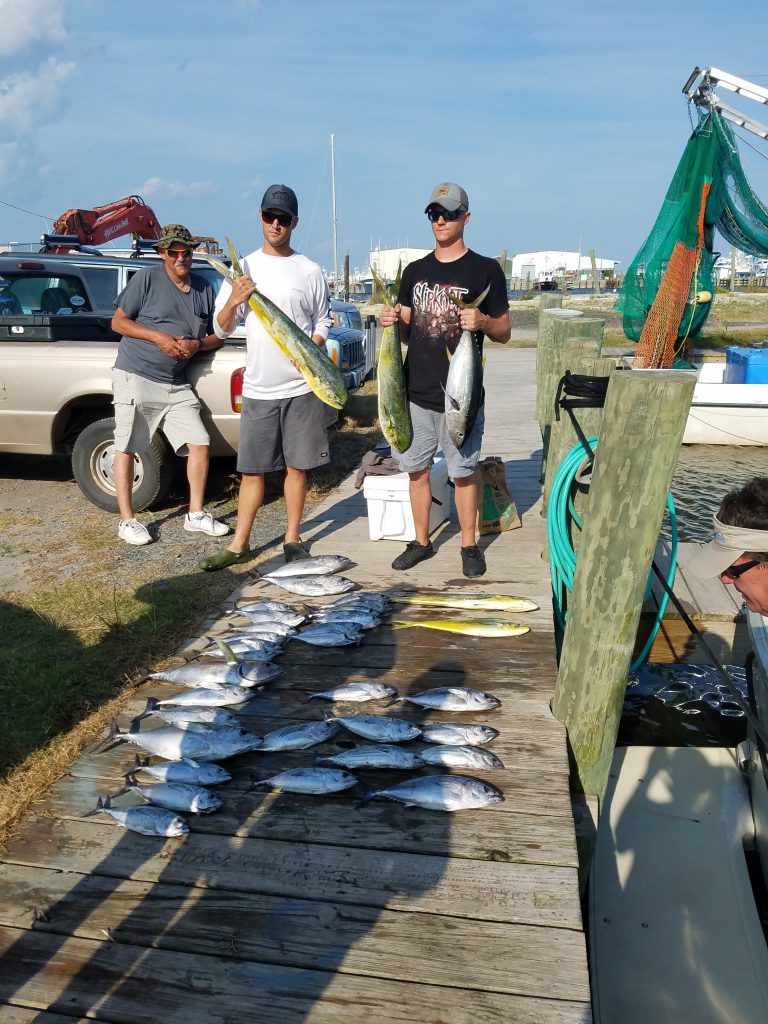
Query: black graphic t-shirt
{"x": 435, "y": 328}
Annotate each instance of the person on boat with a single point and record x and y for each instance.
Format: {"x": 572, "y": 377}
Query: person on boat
{"x": 738, "y": 554}
{"x": 431, "y": 325}
{"x": 283, "y": 425}
{"x": 165, "y": 317}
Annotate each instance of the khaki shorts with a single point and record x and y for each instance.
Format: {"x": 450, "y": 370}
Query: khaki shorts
{"x": 430, "y": 433}
{"x": 142, "y": 407}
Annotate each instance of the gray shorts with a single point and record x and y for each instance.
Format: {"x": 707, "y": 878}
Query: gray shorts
{"x": 280, "y": 432}
{"x": 430, "y": 433}
{"x": 143, "y": 406}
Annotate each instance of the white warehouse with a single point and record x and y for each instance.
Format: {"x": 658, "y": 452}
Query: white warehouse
{"x": 552, "y": 263}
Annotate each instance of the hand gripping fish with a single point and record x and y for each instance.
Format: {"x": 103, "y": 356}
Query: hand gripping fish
{"x": 315, "y": 366}
{"x": 464, "y": 387}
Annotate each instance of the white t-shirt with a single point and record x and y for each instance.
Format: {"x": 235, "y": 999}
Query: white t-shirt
{"x": 298, "y": 287}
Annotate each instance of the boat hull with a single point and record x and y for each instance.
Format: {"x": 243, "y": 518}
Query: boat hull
{"x": 720, "y": 413}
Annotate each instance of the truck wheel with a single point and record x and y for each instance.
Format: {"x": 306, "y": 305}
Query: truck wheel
{"x": 92, "y": 460}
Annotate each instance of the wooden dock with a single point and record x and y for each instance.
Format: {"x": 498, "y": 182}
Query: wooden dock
{"x": 281, "y": 908}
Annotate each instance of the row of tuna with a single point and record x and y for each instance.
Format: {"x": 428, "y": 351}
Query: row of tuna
{"x": 199, "y": 731}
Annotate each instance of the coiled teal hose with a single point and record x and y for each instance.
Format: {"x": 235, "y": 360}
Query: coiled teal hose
{"x": 562, "y": 557}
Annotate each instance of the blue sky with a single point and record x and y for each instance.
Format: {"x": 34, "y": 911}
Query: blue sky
{"x": 561, "y": 120}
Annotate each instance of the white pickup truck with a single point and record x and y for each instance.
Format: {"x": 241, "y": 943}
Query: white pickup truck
{"x": 57, "y": 350}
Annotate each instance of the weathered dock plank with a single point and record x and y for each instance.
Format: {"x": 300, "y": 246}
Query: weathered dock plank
{"x": 123, "y": 983}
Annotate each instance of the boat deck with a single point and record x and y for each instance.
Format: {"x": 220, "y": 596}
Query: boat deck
{"x": 289, "y": 908}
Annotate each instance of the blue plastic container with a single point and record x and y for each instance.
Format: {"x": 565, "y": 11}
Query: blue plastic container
{"x": 746, "y": 366}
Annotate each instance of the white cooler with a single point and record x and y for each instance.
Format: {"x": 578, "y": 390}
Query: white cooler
{"x": 389, "y": 504}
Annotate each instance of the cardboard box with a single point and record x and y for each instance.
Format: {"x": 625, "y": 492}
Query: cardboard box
{"x": 389, "y": 504}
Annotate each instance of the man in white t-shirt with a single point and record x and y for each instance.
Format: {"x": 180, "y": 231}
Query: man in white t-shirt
{"x": 283, "y": 424}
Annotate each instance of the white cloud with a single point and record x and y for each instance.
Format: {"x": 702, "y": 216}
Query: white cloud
{"x": 159, "y": 187}
{"x": 30, "y": 99}
{"x": 27, "y": 23}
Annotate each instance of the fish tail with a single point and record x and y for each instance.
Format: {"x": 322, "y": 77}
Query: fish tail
{"x": 100, "y": 805}
{"x": 401, "y": 624}
{"x": 367, "y": 796}
{"x": 226, "y": 650}
{"x": 113, "y": 737}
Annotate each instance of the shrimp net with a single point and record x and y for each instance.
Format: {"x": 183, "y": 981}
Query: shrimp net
{"x": 669, "y": 288}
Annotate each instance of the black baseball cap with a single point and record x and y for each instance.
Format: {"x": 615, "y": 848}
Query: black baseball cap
{"x": 281, "y": 197}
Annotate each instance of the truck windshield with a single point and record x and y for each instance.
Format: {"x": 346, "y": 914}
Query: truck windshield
{"x": 41, "y": 293}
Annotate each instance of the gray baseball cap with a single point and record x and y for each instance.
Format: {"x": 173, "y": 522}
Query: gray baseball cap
{"x": 450, "y": 196}
{"x": 281, "y": 197}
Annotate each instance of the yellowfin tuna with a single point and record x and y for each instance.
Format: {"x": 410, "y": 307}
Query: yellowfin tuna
{"x": 478, "y": 627}
{"x": 320, "y": 373}
{"x": 471, "y": 602}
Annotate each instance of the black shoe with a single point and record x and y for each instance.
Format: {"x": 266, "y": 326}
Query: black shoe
{"x": 413, "y": 554}
{"x": 472, "y": 561}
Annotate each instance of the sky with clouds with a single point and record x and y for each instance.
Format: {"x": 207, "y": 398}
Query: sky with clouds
{"x": 563, "y": 121}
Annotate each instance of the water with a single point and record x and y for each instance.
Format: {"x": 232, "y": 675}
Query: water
{"x": 704, "y": 475}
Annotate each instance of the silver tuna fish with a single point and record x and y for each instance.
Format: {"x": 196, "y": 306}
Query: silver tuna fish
{"x": 356, "y": 692}
{"x": 461, "y": 757}
{"x": 315, "y": 781}
{"x": 177, "y": 744}
{"x": 266, "y": 607}
{"x": 362, "y": 617}
{"x": 464, "y": 386}
{"x": 330, "y": 635}
{"x": 150, "y": 821}
{"x": 318, "y": 565}
{"x": 441, "y": 793}
{"x": 380, "y": 755}
{"x": 185, "y": 716}
{"x": 299, "y": 737}
{"x": 458, "y": 734}
{"x": 209, "y": 675}
{"x": 379, "y": 728}
{"x": 193, "y": 773}
{"x": 216, "y": 697}
{"x": 175, "y": 796}
{"x": 314, "y": 586}
{"x": 362, "y": 599}
{"x": 453, "y": 698}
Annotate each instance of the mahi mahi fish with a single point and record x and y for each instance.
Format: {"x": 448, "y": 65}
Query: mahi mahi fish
{"x": 470, "y": 602}
{"x": 464, "y": 386}
{"x": 441, "y": 793}
{"x": 478, "y": 627}
{"x": 394, "y": 413}
{"x": 322, "y": 375}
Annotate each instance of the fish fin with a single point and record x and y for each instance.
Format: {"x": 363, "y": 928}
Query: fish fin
{"x": 454, "y": 403}
{"x": 113, "y": 737}
{"x": 468, "y": 305}
{"x": 99, "y": 807}
{"x": 309, "y": 698}
{"x": 236, "y": 267}
{"x": 382, "y": 289}
{"x": 189, "y": 761}
{"x": 226, "y": 650}
{"x": 367, "y": 796}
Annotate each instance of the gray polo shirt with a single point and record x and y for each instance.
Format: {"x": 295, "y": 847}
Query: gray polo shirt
{"x": 153, "y": 300}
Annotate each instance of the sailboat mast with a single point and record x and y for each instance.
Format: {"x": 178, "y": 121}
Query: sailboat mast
{"x": 335, "y": 245}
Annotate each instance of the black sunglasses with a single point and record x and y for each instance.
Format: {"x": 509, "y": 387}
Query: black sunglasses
{"x": 734, "y": 571}
{"x": 283, "y": 219}
{"x": 434, "y": 214}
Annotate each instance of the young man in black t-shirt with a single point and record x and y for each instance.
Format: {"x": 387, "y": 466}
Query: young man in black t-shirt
{"x": 431, "y": 325}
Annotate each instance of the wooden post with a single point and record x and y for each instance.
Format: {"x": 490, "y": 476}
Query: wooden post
{"x": 642, "y": 428}
{"x": 595, "y": 273}
{"x": 577, "y": 359}
{"x": 553, "y": 366}
{"x": 548, "y": 315}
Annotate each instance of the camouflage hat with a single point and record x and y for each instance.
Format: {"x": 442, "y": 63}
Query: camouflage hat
{"x": 175, "y": 233}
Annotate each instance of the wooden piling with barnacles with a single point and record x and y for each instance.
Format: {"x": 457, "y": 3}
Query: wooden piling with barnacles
{"x": 642, "y": 428}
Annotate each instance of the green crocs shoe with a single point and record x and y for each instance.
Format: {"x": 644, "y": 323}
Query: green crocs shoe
{"x": 223, "y": 559}
{"x": 295, "y": 552}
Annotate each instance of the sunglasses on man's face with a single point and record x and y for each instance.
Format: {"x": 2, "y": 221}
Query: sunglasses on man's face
{"x": 734, "y": 571}
{"x": 283, "y": 219}
{"x": 435, "y": 213}
{"x": 179, "y": 254}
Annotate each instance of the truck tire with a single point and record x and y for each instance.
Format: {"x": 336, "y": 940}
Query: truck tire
{"x": 92, "y": 459}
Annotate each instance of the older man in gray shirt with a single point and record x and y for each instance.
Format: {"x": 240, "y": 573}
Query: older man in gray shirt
{"x": 165, "y": 317}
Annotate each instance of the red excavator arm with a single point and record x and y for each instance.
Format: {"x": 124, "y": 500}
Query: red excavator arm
{"x": 101, "y": 224}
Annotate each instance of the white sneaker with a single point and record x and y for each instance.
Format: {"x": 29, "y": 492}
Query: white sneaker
{"x": 133, "y": 532}
{"x": 203, "y": 522}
